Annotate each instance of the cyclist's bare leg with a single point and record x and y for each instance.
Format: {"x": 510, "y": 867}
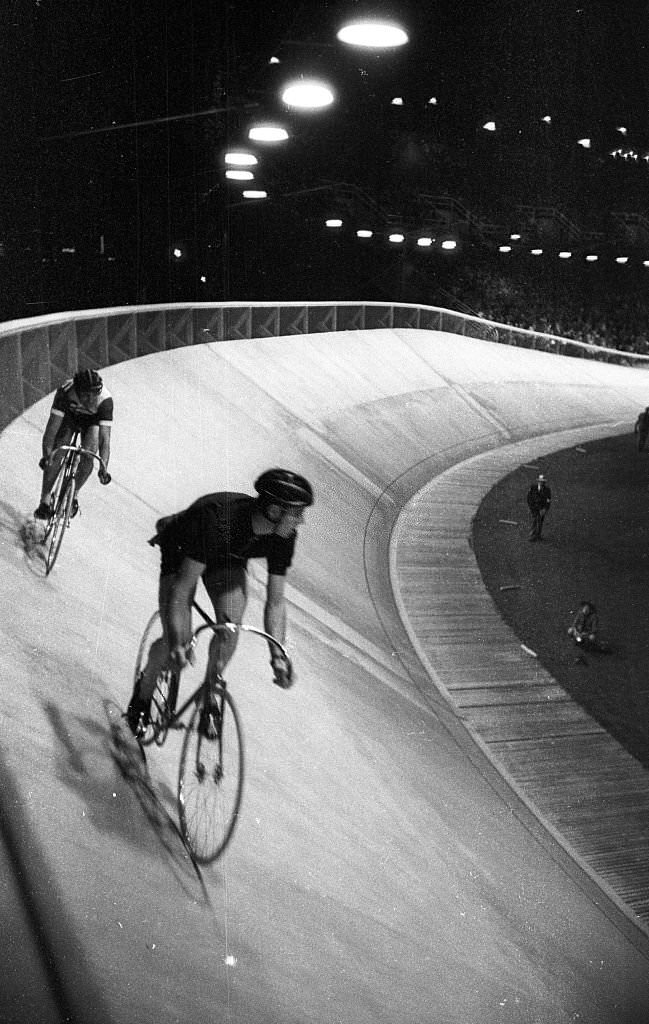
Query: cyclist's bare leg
{"x": 228, "y": 593}
{"x": 90, "y": 440}
{"x": 63, "y": 436}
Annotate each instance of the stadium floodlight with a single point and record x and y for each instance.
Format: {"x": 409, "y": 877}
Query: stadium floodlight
{"x": 307, "y": 94}
{"x": 372, "y": 35}
{"x": 267, "y": 133}
{"x": 240, "y": 158}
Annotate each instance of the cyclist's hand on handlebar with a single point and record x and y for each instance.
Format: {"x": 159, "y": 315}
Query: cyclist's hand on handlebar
{"x": 180, "y": 656}
{"x": 282, "y": 672}
{"x": 104, "y": 475}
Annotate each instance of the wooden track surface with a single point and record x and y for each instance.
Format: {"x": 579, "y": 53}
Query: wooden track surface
{"x": 592, "y": 794}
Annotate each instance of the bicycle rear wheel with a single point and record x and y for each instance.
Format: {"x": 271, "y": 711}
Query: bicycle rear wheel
{"x": 59, "y": 522}
{"x": 210, "y": 782}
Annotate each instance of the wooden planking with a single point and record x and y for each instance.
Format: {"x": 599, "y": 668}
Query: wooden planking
{"x": 579, "y": 779}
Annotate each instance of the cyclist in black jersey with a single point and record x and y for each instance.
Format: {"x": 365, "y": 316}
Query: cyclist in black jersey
{"x": 212, "y": 540}
{"x": 82, "y": 404}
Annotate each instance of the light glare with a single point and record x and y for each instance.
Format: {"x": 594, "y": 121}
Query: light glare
{"x": 374, "y": 35}
{"x": 307, "y": 95}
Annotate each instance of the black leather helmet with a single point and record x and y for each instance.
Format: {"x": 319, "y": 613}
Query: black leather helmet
{"x": 87, "y": 381}
{"x": 282, "y": 487}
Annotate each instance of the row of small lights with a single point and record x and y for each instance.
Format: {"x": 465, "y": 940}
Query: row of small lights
{"x": 450, "y": 244}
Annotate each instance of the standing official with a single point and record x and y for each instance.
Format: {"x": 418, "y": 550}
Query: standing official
{"x": 539, "y": 498}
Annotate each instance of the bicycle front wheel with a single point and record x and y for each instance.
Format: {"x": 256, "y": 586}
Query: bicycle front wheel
{"x": 165, "y": 694}
{"x": 210, "y": 782}
{"x": 58, "y": 524}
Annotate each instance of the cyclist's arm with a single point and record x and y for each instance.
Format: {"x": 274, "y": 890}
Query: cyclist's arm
{"x": 104, "y": 443}
{"x": 179, "y": 606}
{"x": 275, "y": 607}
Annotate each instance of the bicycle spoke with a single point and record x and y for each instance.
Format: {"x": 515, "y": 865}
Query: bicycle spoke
{"x": 210, "y": 784}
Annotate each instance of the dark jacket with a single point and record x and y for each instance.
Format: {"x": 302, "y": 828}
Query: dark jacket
{"x": 539, "y": 497}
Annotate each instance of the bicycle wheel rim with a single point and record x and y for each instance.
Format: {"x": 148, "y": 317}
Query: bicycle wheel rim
{"x": 60, "y": 521}
{"x": 152, "y": 628}
{"x": 209, "y": 806}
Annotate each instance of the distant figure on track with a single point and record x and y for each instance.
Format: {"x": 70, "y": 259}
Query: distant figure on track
{"x": 83, "y": 404}
{"x": 539, "y": 498}
{"x": 641, "y": 429}
{"x": 584, "y": 625}
{"x": 584, "y": 631}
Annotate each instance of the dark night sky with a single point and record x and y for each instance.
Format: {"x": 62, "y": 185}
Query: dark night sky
{"x": 74, "y": 72}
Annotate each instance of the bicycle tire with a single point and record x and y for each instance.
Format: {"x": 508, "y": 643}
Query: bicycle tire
{"x": 158, "y": 726}
{"x": 210, "y": 782}
{"x": 60, "y": 519}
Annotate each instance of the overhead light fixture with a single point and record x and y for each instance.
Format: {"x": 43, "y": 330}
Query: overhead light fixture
{"x": 374, "y": 35}
{"x": 396, "y": 237}
{"x": 592, "y": 258}
{"x": 449, "y": 243}
{"x": 425, "y": 241}
{"x": 585, "y": 143}
{"x": 547, "y": 119}
{"x": 239, "y": 175}
{"x": 397, "y": 101}
{"x": 490, "y": 126}
{"x": 621, "y": 259}
{"x": 334, "y": 222}
{"x": 432, "y": 102}
{"x": 515, "y": 237}
{"x": 267, "y": 133}
{"x": 364, "y": 233}
{"x": 504, "y": 248}
{"x": 536, "y": 252}
{"x": 565, "y": 254}
{"x": 240, "y": 158}
{"x": 254, "y": 193}
{"x": 307, "y": 94}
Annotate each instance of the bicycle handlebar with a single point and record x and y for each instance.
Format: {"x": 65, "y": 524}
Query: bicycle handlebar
{"x": 81, "y": 451}
{"x": 233, "y": 627}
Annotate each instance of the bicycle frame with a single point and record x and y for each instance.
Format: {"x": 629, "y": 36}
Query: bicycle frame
{"x": 173, "y": 720}
{"x": 63, "y": 494}
{"x": 211, "y": 768}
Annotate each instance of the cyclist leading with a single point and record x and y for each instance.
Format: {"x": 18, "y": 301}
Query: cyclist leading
{"x": 83, "y": 404}
{"x": 212, "y": 540}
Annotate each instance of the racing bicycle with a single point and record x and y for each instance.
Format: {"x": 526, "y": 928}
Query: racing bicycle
{"x": 211, "y": 770}
{"x": 63, "y": 496}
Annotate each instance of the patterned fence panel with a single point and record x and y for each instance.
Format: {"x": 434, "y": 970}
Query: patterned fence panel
{"x": 37, "y": 355}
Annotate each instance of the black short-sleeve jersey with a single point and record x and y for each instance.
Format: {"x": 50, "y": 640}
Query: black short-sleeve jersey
{"x": 217, "y": 531}
{"x": 66, "y": 404}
